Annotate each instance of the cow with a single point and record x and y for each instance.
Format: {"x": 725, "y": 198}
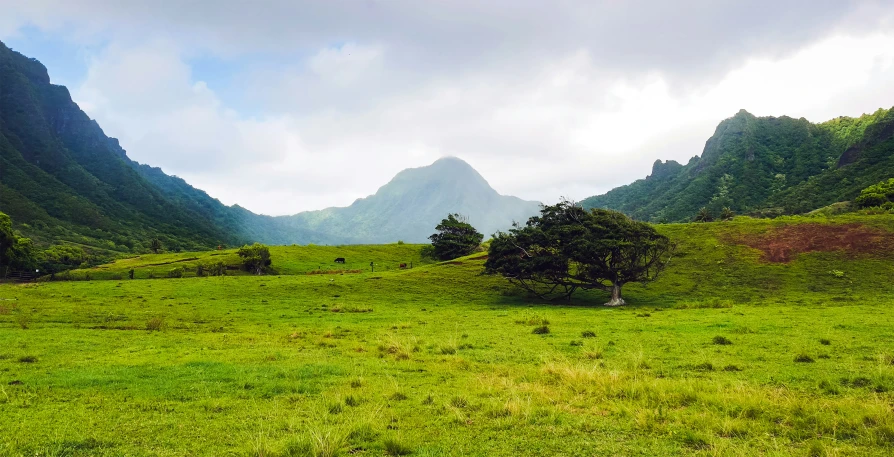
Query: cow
{"x": 340, "y": 260}
{"x": 403, "y": 266}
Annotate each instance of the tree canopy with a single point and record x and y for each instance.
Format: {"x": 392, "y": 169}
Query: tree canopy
{"x": 568, "y": 248}
{"x": 255, "y": 258}
{"x": 455, "y": 238}
{"x": 880, "y": 194}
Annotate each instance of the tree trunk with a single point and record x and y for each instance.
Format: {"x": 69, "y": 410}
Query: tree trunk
{"x": 616, "y": 296}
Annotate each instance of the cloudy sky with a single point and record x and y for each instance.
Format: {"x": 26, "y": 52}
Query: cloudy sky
{"x": 285, "y": 105}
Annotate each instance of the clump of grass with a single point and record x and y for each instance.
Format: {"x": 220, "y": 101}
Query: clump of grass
{"x": 330, "y": 443}
{"x": 398, "y": 396}
{"x": 694, "y": 440}
{"x": 824, "y": 356}
{"x": 155, "y": 324}
{"x": 447, "y": 349}
{"x": 825, "y": 341}
{"x": 395, "y": 447}
{"x": 28, "y": 359}
{"x": 459, "y": 402}
{"x": 816, "y": 449}
{"x": 532, "y": 319}
{"x": 335, "y": 408}
{"x": 804, "y": 358}
{"x": 24, "y": 320}
{"x": 541, "y": 330}
{"x": 576, "y": 343}
{"x": 593, "y": 354}
{"x": 428, "y": 400}
{"x": 588, "y": 334}
{"x": 731, "y": 368}
{"x": 704, "y": 366}
{"x": 350, "y": 400}
{"x": 357, "y": 383}
{"x": 722, "y": 340}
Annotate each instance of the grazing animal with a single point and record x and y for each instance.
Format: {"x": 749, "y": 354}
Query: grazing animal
{"x": 340, "y": 260}
{"x": 403, "y": 266}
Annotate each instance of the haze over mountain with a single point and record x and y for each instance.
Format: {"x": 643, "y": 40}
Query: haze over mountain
{"x": 62, "y": 178}
{"x": 765, "y": 166}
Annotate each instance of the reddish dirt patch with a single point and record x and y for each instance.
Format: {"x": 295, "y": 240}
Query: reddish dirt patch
{"x": 452, "y": 262}
{"x": 480, "y": 257}
{"x": 781, "y": 245}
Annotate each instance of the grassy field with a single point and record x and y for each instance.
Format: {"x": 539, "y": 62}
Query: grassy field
{"x": 730, "y": 352}
{"x": 289, "y": 260}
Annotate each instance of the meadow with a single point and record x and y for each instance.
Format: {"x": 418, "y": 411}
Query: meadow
{"x": 763, "y": 337}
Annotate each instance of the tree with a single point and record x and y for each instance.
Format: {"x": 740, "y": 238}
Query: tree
{"x": 876, "y": 195}
{"x": 61, "y": 257}
{"x": 255, "y": 258}
{"x": 704, "y": 215}
{"x": 568, "y": 248}
{"x": 455, "y": 238}
{"x": 155, "y": 245}
{"x": 16, "y": 252}
{"x": 726, "y": 214}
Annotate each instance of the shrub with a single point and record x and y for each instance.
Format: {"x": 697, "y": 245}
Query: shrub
{"x": 825, "y": 342}
{"x": 804, "y": 358}
{"x": 255, "y": 258}
{"x": 588, "y": 334}
{"x": 542, "y": 330}
{"x": 176, "y": 273}
{"x": 722, "y": 340}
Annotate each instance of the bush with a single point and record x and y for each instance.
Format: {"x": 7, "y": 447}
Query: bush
{"x": 588, "y": 334}
{"x": 542, "y": 330}
{"x": 804, "y": 358}
{"x": 176, "y": 273}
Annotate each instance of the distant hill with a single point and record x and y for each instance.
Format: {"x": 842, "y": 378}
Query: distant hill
{"x": 412, "y": 203}
{"x": 764, "y": 165}
{"x": 63, "y": 180}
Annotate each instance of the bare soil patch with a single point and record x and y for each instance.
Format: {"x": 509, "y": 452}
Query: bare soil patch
{"x": 782, "y": 244}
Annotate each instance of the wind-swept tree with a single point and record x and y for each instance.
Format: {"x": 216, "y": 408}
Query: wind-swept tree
{"x": 568, "y": 248}
{"x": 455, "y": 238}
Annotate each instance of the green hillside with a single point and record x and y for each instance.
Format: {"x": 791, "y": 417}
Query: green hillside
{"x": 62, "y": 179}
{"x": 764, "y": 165}
{"x": 757, "y": 340}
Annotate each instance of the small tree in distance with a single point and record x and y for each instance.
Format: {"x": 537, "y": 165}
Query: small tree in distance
{"x": 455, "y": 238}
{"x": 255, "y": 258}
{"x": 155, "y": 245}
{"x": 568, "y": 248}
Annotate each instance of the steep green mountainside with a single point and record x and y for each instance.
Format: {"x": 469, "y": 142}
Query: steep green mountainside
{"x": 765, "y": 165}
{"x": 413, "y": 202}
{"x": 63, "y": 179}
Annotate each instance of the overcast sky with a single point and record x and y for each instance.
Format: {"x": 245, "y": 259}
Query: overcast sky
{"x": 283, "y": 106}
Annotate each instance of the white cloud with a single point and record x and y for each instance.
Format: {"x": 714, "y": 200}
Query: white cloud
{"x": 544, "y": 103}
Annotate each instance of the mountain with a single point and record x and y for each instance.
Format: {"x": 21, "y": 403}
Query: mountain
{"x": 764, "y": 166}
{"x": 412, "y": 203}
{"x": 63, "y": 180}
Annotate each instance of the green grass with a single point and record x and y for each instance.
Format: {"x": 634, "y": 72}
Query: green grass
{"x": 287, "y": 260}
{"x": 443, "y": 361}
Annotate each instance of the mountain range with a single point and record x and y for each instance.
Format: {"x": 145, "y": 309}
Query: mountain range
{"x": 764, "y": 166}
{"x": 63, "y": 180}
